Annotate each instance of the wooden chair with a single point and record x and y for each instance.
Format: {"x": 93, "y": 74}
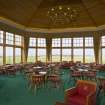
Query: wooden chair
{"x": 90, "y": 75}
{"x": 11, "y": 71}
{"x": 36, "y": 81}
{"x": 76, "y": 74}
{"x": 55, "y": 80}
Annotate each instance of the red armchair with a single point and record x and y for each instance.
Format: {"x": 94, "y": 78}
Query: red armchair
{"x": 83, "y": 94}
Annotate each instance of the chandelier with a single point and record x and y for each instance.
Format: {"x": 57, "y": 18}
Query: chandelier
{"x": 62, "y": 15}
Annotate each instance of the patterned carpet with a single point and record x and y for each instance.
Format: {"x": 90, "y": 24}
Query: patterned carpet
{"x": 14, "y": 90}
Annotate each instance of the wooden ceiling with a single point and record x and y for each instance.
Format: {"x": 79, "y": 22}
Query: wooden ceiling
{"x": 32, "y": 13}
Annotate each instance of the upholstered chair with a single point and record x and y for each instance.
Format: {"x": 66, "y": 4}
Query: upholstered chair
{"x": 83, "y": 94}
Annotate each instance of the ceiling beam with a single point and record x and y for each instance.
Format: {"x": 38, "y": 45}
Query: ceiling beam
{"x": 34, "y": 12}
{"x": 85, "y": 8}
{"x": 102, "y": 2}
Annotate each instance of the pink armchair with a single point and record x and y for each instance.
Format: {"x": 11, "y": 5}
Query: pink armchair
{"x": 83, "y": 94}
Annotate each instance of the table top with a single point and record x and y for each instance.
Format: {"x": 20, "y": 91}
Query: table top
{"x": 37, "y": 67}
{"x": 43, "y": 72}
{"x": 51, "y": 65}
{"x": 36, "y": 75}
{"x": 82, "y": 69}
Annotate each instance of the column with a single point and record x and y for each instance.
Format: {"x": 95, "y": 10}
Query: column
{"x": 97, "y": 40}
{"x": 48, "y": 49}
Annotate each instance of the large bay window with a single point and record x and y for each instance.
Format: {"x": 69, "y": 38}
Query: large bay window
{"x": 56, "y": 50}
{"x": 103, "y": 49}
{"x": 18, "y": 40}
{"x": 66, "y": 49}
{"x": 9, "y": 55}
{"x": 103, "y": 55}
{"x": 42, "y": 54}
{"x": 89, "y": 50}
{"x": 1, "y": 47}
{"x": 1, "y": 37}
{"x": 32, "y": 50}
{"x": 66, "y": 42}
{"x": 41, "y": 42}
{"x": 56, "y": 55}
{"x": 78, "y": 49}
{"x": 77, "y": 42}
{"x": 32, "y": 42}
{"x": 89, "y": 55}
{"x": 78, "y": 54}
{"x": 10, "y": 48}
{"x": 1, "y": 55}
{"x": 17, "y": 55}
{"x": 31, "y": 55}
{"x": 63, "y": 49}
{"x": 37, "y": 50}
{"x": 66, "y": 54}
{"x": 9, "y": 38}
{"x": 88, "y": 41}
{"x": 41, "y": 49}
{"x": 56, "y": 42}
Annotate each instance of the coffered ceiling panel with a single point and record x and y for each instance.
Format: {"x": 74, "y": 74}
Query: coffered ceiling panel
{"x": 33, "y": 13}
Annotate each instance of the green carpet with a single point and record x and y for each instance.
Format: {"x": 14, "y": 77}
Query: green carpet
{"x": 14, "y": 91}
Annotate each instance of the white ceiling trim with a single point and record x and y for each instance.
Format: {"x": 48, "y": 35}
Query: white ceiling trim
{"x": 12, "y": 23}
{"x": 22, "y": 27}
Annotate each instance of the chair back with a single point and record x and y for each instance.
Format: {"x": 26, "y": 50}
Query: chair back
{"x": 53, "y": 78}
{"x": 85, "y": 87}
{"x": 91, "y": 74}
{"x": 37, "y": 79}
{"x": 76, "y": 73}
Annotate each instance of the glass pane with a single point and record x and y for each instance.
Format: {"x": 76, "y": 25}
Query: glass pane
{"x": 9, "y": 55}
{"x": 103, "y": 55}
{"x": 89, "y": 41}
{"x": 18, "y": 40}
{"x": 1, "y": 36}
{"x": 9, "y": 38}
{"x": 66, "y": 42}
{"x": 1, "y": 55}
{"x": 17, "y": 55}
{"x": 55, "y": 55}
{"x": 66, "y": 54}
{"x": 103, "y": 41}
{"x": 89, "y": 55}
{"x": 31, "y": 55}
{"x": 77, "y": 42}
{"x": 78, "y": 55}
{"x": 41, "y": 42}
{"x": 32, "y": 42}
{"x": 42, "y": 55}
{"x": 56, "y": 42}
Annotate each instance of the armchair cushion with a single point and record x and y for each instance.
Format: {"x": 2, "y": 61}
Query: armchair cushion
{"x": 84, "y": 89}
